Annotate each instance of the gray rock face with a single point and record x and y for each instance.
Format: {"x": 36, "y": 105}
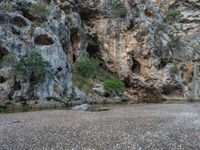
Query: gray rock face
{"x": 49, "y": 45}
{"x": 4, "y": 92}
{"x": 79, "y": 95}
{"x": 20, "y": 36}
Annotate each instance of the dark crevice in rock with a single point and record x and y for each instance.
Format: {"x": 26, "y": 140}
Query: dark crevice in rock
{"x": 135, "y": 67}
{"x": 93, "y": 48}
{"x": 188, "y": 21}
{"x": 2, "y": 79}
{"x": 59, "y": 69}
{"x": 74, "y": 58}
{"x": 87, "y": 13}
{"x": 127, "y": 81}
{"x": 162, "y": 64}
{"x": 27, "y": 15}
{"x": 17, "y": 86}
{"x": 43, "y": 39}
{"x": 170, "y": 89}
{"x": 74, "y": 39}
{"x": 32, "y": 17}
{"x": 3, "y": 52}
{"x": 14, "y": 31}
{"x": 20, "y": 22}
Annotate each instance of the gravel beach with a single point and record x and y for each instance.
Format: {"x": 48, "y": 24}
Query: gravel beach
{"x": 160, "y": 126}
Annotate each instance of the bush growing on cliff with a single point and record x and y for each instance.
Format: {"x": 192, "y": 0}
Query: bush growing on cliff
{"x": 8, "y": 60}
{"x": 119, "y": 8}
{"x": 113, "y": 84}
{"x": 85, "y": 68}
{"x": 173, "y": 15}
{"x": 32, "y": 66}
{"x": 87, "y": 71}
{"x": 39, "y": 9}
{"x": 84, "y": 71}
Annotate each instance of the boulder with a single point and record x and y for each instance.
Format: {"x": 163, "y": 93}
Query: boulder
{"x": 99, "y": 89}
{"x": 118, "y": 99}
{"x": 4, "y": 93}
{"x": 84, "y": 107}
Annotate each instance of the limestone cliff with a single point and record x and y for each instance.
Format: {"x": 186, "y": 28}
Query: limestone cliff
{"x": 131, "y": 37}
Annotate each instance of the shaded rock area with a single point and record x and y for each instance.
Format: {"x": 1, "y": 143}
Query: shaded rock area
{"x": 135, "y": 42}
{"x": 43, "y": 40}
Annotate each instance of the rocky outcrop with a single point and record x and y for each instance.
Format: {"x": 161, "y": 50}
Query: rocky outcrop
{"x": 22, "y": 34}
{"x": 139, "y": 48}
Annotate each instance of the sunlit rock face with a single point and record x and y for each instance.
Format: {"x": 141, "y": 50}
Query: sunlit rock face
{"x": 134, "y": 48}
{"x": 128, "y": 44}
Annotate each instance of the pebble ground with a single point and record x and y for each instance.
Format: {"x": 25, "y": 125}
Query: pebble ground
{"x": 145, "y": 127}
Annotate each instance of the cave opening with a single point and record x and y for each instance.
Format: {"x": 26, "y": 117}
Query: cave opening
{"x": 74, "y": 39}
{"x": 43, "y": 39}
{"x": 87, "y": 14}
{"x": 136, "y": 67}
{"x": 162, "y": 64}
{"x": 93, "y": 48}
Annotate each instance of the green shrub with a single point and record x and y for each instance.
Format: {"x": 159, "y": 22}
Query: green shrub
{"x": 173, "y": 15}
{"x": 119, "y": 8}
{"x": 84, "y": 84}
{"x": 113, "y": 84}
{"x": 185, "y": 82}
{"x": 85, "y": 68}
{"x": 8, "y": 60}
{"x": 32, "y": 65}
{"x": 160, "y": 26}
{"x": 39, "y": 9}
{"x": 84, "y": 71}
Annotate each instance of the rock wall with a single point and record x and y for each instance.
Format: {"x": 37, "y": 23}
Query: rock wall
{"x": 135, "y": 47}
{"x": 131, "y": 45}
{"x": 22, "y": 33}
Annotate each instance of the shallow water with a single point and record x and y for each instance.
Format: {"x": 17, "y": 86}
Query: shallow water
{"x": 95, "y": 108}
{"x": 26, "y": 109}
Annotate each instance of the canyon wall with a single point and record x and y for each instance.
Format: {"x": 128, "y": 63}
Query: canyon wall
{"x": 131, "y": 38}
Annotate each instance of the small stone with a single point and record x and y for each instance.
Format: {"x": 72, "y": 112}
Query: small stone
{"x": 117, "y": 99}
{"x": 99, "y": 89}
